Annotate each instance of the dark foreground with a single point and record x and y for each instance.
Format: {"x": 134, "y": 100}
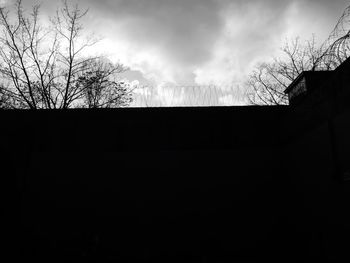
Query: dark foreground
{"x": 176, "y": 185}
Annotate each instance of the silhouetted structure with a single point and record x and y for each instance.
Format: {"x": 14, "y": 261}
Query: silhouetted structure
{"x": 231, "y": 184}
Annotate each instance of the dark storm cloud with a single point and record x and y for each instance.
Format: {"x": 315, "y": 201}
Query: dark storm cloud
{"x": 204, "y": 40}
{"x": 187, "y": 33}
{"x": 185, "y": 30}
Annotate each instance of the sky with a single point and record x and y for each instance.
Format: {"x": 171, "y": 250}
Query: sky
{"x": 178, "y": 50}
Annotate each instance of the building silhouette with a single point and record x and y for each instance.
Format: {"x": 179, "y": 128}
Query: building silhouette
{"x": 229, "y": 184}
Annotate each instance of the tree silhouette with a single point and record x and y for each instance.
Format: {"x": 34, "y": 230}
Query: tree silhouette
{"x": 267, "y": 82}
{"x": 100, "y": 89}
{"x": 44, "y": 67}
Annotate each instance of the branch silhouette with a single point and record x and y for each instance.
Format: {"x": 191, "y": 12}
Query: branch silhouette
{"x": 43, "y": 67}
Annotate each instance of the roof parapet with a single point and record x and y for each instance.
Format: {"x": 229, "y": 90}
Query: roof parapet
{"x": 304, "y": 85}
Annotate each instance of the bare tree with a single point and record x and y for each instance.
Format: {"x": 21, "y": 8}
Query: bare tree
{"x": 266, "y": 84}
{"x": 99, "y": 88}
{"x": 268, "y": 81}
{"x": 44, "y": 67}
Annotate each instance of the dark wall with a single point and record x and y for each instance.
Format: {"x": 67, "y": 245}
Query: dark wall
{"x": 177, "y": 184}
{"x": 316, "y": 162}
{"x": 316, "y": 159}
{"x": 148, "y": 182}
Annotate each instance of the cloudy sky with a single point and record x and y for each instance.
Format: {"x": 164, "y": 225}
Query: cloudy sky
{"x": 172, "y": 44}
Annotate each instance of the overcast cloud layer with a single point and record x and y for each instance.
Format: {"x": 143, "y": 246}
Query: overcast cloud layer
{"x": 187, "y": 42}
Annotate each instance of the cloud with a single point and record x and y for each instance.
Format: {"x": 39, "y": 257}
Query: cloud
{"x": 202, "y": 41}
{"x": 165, "y": 39}
{"x": 250, "y": 30}
{"x": 188, "y": 41}
{"x": 206, "y": 41}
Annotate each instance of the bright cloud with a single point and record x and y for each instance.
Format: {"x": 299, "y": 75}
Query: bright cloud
{"x": 200, "y": 42}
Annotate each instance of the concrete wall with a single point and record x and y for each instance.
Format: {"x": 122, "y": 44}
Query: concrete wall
{"x": 316, "y": 162}
{"x": 152, "y": 182}
{"x": 186, "y": 184}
